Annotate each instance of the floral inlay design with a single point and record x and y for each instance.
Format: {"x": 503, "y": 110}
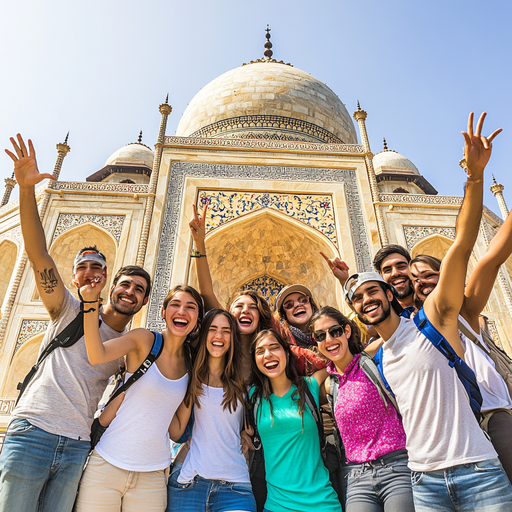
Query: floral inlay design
{"x": 111, "y": 223}
{"x": 267, "y": 286}
{"x": 314, "y": 210}
{"x": 413, "y": 234}
{"x": 29, "y": 329}
{"x": 494, "y": 332}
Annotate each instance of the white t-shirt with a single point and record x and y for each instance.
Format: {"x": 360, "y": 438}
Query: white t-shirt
{"x": 138, "y": 437}
{"x": 494, "y": 391}
{"x": 64, "y": 394}
{"x": 438, "y": 421}
{"x": 215, "y": 450}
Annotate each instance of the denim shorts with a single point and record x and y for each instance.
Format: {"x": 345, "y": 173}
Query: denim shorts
{"x": 207, "y": 495}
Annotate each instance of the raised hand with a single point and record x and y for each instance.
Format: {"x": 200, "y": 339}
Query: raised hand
{"x": 339, "y": 268}
{"x": 198, "y": 228}
{"x": 92, "y": 289}
{"x": 25, "y": 164}
{"x": 477, "y": 149}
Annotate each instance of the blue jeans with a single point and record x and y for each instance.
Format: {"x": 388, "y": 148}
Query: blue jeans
{"x": 207, "y": 495}
{"x": 39, "y": 471}
{"x": 480, "y": 486}
{"x": 380, "y": 485}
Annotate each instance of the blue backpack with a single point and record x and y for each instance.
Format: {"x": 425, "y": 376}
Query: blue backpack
{"x": 464, "y": 372}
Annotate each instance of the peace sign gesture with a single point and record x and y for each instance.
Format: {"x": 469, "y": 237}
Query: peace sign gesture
{"x": 477, "y": 149}
{"x": 25, "y": 164}
{"x": 197, "y": 227}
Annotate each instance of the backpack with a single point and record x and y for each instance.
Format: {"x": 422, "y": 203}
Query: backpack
{"x": 464, "y": 372}
{"x": 97, "y": 429}
{"x": 331, "y": 455}
{"x": 502, "y": 362}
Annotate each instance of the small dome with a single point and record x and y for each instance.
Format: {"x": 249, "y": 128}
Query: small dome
{"x": 268, "y": 100}
{"x": 132, "y": 154}
{"x": 391, "y": 161}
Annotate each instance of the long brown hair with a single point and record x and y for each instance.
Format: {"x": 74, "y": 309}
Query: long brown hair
{"x": 231, "y": 378}
{"x": 266, "y": 320}
{"x": 261, "y": 383}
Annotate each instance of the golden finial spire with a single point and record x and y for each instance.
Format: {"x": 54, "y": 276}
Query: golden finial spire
{"x": 268, "y": 45}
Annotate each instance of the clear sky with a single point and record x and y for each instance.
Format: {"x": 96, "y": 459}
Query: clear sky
{"x": 101, "y": 68}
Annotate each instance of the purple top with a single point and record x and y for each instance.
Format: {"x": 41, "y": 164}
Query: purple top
{"x": 368, "y": 428}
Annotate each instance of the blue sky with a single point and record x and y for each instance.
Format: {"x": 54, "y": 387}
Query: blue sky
{"x": 100, "y": 70}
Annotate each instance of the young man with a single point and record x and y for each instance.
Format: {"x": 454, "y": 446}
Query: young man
{"x": 392, "y": 263}
{"x": 47, "y": 441}
{"x": 454, "y": 465}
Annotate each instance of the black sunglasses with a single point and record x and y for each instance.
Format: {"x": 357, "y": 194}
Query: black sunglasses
{"x": 335, "y": 331}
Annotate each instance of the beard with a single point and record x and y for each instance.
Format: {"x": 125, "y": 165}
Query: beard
{"x": 408, "y": 290}
{"x": 386, "y": 312}
{"x": 124, "y": 308}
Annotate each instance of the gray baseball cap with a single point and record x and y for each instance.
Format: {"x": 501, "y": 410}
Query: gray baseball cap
{"x": 356, "y": 280}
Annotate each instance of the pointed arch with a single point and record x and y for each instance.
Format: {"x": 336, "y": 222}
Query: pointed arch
{"x": 8, "y": 256}
{"x": 434, "y": 245}
{"x": 20, "y": 365}
{"x": 269, "y": 243}
{"x": 64, "y": 248}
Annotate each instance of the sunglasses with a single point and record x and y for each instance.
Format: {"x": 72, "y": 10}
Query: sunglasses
{"x": 336, "y": 331}
{"x": 304, "y": 299}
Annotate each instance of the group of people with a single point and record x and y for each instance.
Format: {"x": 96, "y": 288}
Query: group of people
{"x": 239, "y": 384}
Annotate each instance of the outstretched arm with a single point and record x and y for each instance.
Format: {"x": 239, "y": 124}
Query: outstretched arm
{"x": 49, "y": 283}
{"x": 482, "y": 279}
{"x": 197, "y": 227}
{"x": 443, "y": 305}
{"x": 97, "y": 351}
{"x": 339, "y": 268}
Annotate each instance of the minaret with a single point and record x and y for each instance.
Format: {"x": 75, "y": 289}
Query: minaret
{"x": 165, "y": 109}
{"x": 9, "y": 185}
{"x": 62, "y": 150}
{"x": 360, "y": 116}
{"x": 497, "y": 190}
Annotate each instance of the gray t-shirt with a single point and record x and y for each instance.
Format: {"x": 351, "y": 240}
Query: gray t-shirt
{"x": 440, "y": 426}
{"x": 63, "y": 395}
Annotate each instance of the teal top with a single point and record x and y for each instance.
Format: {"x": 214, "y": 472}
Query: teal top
{"x": 297, "y": 480}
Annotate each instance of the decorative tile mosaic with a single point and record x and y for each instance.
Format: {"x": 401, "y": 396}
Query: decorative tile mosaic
{"x": 494, "y": 332}
{"x": 413, "y": 234}
{"x": 111, "y": 223}
{"x": 267, "y": 286}
{"x": 173, "y": 206}
{"x": 267, "y": 127}
{"x": 314, "y": 210}
{"x": 29, "y": 329}
{"x": 312, "y": 147}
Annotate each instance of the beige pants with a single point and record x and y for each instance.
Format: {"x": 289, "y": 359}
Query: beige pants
{"x": 105, "y": 488}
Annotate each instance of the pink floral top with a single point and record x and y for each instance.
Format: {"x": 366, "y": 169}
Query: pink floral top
{"x": 368, "y": 428}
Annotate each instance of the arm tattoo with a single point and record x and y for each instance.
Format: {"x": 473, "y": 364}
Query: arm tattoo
{"x": 48, "y": 280}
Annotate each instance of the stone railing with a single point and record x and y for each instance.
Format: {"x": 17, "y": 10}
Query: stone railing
{"x": 130, "y": 188}
{"x": 7, "y": 405}
{"x": 420, "y": 199}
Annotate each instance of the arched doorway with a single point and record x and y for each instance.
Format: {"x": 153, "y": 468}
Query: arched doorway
{"x": 8, "y": 254}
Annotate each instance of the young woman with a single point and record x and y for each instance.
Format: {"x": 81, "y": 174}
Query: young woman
{"x": 250, "y": 310}
{"x": 128, "y": 468}
{"x": 296, "y": 476}
{"x": 214, "y": 475}
{"x": 377, "y": 475}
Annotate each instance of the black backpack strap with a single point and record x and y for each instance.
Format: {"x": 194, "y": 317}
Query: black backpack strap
{"x": 153, "y": 355}
{"x": 317, "y": 416}
{"x": 66, "y": 338}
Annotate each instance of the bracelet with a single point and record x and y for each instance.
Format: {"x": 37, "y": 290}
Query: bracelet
{"x": 88, "y": 310}
{"x": 195, "y": 254}
{"x": 92, "y": 301}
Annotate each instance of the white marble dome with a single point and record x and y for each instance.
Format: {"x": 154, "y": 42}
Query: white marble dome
{"x": 391, "y": 161}
{"x": 268, "y": 100}
{"x": 132, "y": 154}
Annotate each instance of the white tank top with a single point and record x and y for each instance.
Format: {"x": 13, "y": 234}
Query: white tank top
{"x": 215, "y": 451}
{"x": 440, "y": 426}
{"x": 138, "y": 437}
{"x": 494, "y": 391}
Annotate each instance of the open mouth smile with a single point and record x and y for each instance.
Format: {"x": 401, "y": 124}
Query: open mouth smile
{"x": 271, "y": 365}
{"x": 180, "y": 322}
{"x": 371, "y": 308}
